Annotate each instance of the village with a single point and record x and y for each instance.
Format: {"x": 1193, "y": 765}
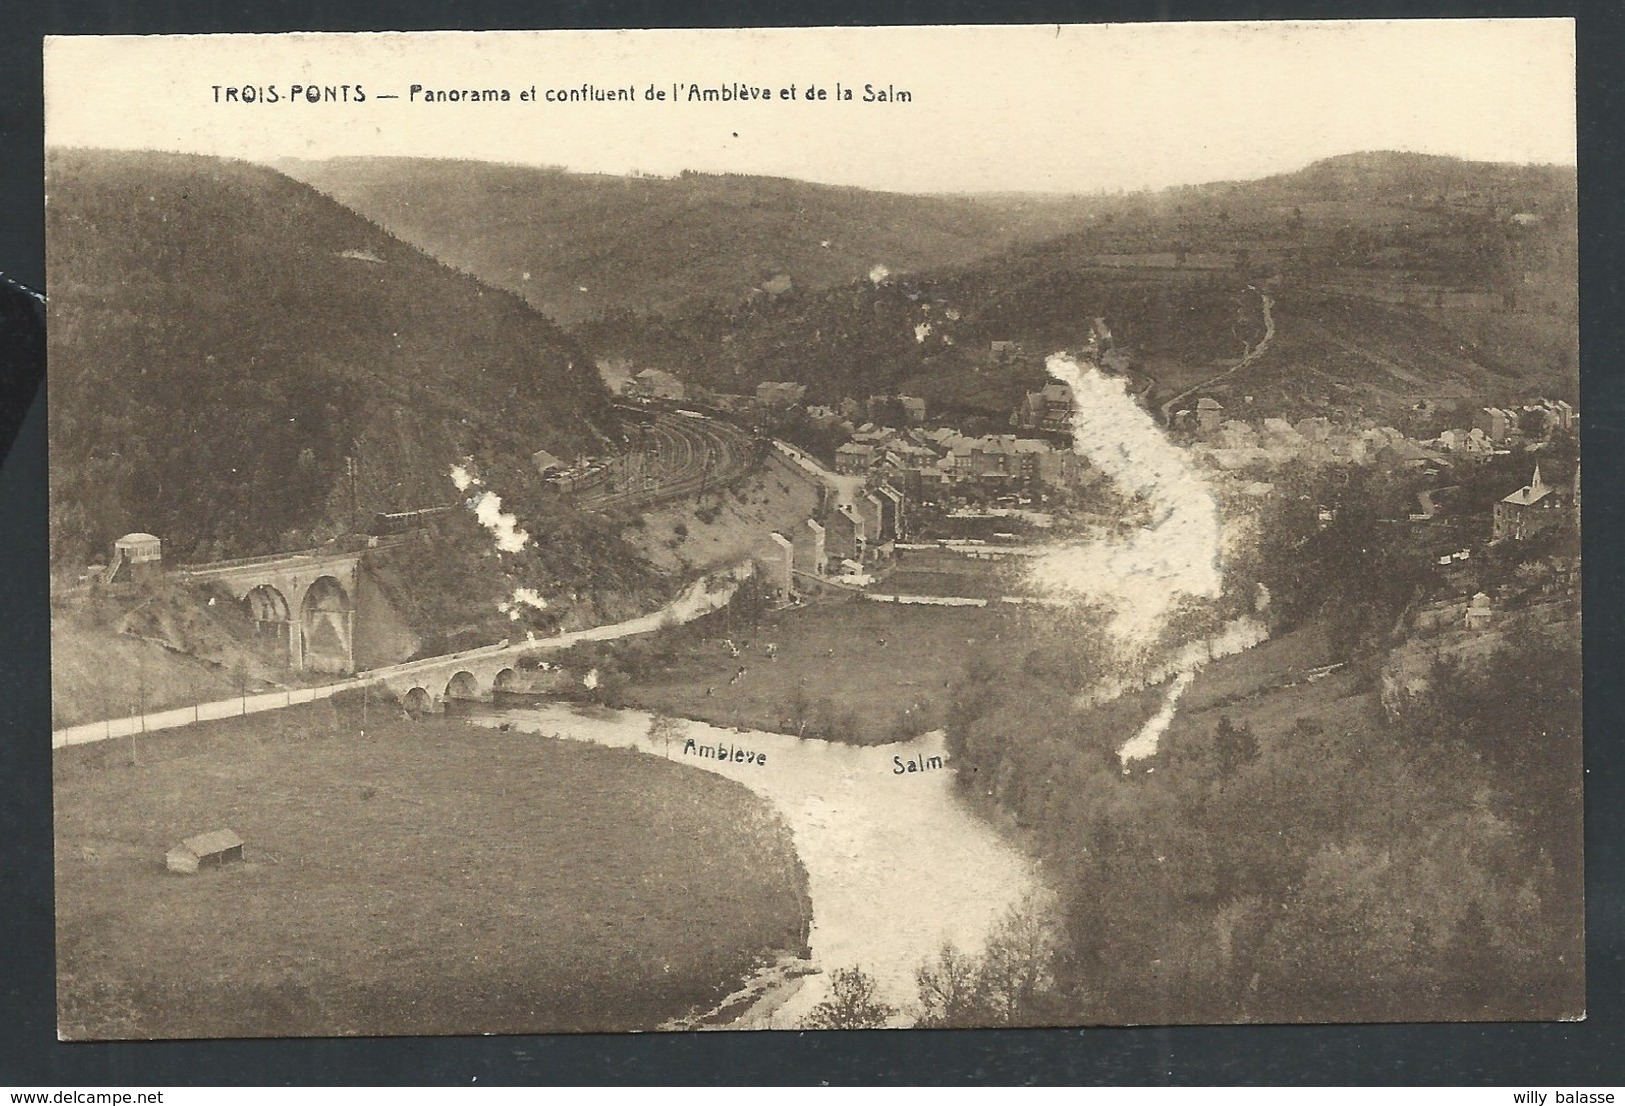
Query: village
{"x": 917, "y": 510}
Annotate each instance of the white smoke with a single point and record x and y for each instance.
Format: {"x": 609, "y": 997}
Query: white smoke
{"x": 878, "y": 274}
{"x": 922, "y": 332}
{"x": 503, "y": 526}
{"x": 487, "y": 507}
{"x": 1141, "y": 577}
{"x": 527, "y": 597}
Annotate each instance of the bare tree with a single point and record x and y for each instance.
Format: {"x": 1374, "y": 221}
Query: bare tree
{"x": 851, "y": 1003}
{"x": 1018, "y": 968}
{"x": 1010, "y": 984}
{"x": 949, "y": 990}
{"x": 663, "y": 730}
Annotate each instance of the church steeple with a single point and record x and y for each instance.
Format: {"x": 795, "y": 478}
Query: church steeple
{"x": 1536, "y": 486}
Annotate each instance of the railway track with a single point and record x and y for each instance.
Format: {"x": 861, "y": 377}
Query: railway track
{"x": 675, "y": 455}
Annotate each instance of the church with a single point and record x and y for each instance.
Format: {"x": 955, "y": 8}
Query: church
{"x": 1527, "y": 511}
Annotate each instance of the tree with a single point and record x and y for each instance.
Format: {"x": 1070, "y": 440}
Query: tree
{"x": 664, "y": 730}
{"x": 950, "y": 991}
{"x": 1017, "y": 973}
{"x": 1236, "y": 745}
{"x": 852, "y": 1003}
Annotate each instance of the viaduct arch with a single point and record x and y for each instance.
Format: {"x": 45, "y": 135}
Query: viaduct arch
{"x": 305, "y": 602}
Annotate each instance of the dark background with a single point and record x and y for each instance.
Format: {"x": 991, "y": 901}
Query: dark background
{"x": 1568, "y": 1055}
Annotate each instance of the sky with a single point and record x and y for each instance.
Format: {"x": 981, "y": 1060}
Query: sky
{"x": 990, "y": 109}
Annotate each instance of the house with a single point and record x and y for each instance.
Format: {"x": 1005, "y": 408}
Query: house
{"x": 894, "y": 506}
{"x": 774, "y": 558}
{"x": 1526, "y": 512}
{"x": 870, "y": 508}
{"x": 995, "y": 459}
{"x": 545, "y": 462}
{"x": 810, "y": 555}
{"x": 1049, "y": 408}
{"x": 1404, "y": 453}
{"x": 854, "y": 458}
{"x": 1474, "y": 441}
{"x": 780, "y": 393}
{"x": 211, "y": 849}
{"x": 1497, "y": 425}
{"x": 1478, "y": 612}
{"x": 1209, "y": 414}
{"x": 845, "y": 535}
{"x": 655, "y": 384}
{"x": 135, "y": 557}
{"x": 1061, "y": 468}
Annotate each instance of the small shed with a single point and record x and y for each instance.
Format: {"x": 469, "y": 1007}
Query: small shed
{"x": 217, "y": 847}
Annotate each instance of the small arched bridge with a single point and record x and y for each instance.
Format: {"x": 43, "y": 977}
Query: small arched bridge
{"x": 473, "y": 676}
{"x": 477, "y": 674}
{"x": 305, "y": 602}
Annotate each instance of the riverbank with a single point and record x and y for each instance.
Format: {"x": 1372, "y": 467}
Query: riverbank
{"x": 897, "y": 863}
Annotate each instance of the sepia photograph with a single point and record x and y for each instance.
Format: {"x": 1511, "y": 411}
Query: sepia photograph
{"x": 850, "y": 528}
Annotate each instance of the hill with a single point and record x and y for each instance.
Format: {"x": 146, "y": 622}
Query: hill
{"x": 223, "y": 337}
{"x": 578, "y": 246}
{"x": 1394, "y": 276}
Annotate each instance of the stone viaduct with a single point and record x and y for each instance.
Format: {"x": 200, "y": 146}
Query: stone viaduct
{"x": 304, "y": 601}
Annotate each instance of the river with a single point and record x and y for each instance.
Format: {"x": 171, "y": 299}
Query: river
{"x": 896, "y": 864}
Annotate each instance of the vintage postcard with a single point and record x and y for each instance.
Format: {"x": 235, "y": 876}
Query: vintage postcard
{"x": 779, "y": 529}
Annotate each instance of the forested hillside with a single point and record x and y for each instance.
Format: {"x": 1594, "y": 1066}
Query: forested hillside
{"x": 222, "y": 338}
{"x": 1394, "y": 277}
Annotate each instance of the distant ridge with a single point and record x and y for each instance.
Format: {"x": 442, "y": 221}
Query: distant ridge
{"x": 593, "y": 245}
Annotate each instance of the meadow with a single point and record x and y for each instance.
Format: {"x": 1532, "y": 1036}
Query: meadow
{"x": 847, "y": 670}
{"x": 406, "y": 878}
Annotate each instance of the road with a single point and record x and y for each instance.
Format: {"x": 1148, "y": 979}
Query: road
{"x": 695, "y": 600}
{"x": 1252, "y": 355}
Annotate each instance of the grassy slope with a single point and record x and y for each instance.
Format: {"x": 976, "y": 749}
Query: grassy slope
{"x": 645, "y": 243}
{"x": 161, "y": 644}
{"x": 425, "y": 878}
{"x": 215, "y": 356}
{"x": 96, "y": 674}
{"x": 723, "y": 526}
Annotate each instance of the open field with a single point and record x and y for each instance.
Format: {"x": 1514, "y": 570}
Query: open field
{"x": 847, "y": 670}
{"x": 420, "y": 878}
